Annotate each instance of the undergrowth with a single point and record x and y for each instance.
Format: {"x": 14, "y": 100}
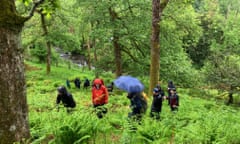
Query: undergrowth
{"x": 198, "y": 121}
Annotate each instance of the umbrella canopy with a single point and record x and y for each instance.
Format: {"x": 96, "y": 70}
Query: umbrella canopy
{"x": 129, "y": 84}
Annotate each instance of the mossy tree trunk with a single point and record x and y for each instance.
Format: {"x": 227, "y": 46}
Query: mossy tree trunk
{"x": 48, "y": 44}
{"x": 13, "y": 103}
{"x": 157, "y": 9}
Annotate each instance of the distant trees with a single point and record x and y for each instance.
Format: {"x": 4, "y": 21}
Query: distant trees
{"x": 222, "y": 67}
{"x": 118, "y": 34}
{"x": 114, "y": 36}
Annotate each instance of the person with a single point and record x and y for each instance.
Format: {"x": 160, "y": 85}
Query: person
{"x": 86, "y": 83}
{"x": 110, "y": 87}
{"x": 65, "y": 98}
{"x": 138, "y": 105}
{"x": 170, "y": 86}
{"x": 77, "y": 83}
{"x": 99, "y": 97}
{"x": 68, "y": 83}
{"x": 173, "y": 99}
{"x": 158, "y": 97}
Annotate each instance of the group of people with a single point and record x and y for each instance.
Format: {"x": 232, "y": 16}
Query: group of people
{"x": 77, "y": 83}
{"x": 138, "y": 101}
{"x": 99, "y": 96}
{"x": 159, "y": 96}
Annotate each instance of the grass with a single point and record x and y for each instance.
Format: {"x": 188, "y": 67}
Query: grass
{"x": 198, "y": 120}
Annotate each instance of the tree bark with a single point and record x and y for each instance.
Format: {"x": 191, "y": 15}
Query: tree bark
{"x": 13, "y": 102}
{"x": 118, "y": 55}
{"x": 157, "y": 10}
{"x": 89, "y": 54}
{"x": 48, "y": 44}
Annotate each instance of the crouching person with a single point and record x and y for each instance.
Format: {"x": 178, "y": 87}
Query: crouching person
{"x": 99, "y": 97}
{"x": 65, "y": 98}
{"x": 138, "y": 105}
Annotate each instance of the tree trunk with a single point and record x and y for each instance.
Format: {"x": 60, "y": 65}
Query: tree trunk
{"x": 116, "y": 44}
{"x": 89, "y": 54}
{"x": 48, "y": 44}
{"x": 118, "y": 56}
{"x": 157, "y": 10}
{"x": 13, "y": 102}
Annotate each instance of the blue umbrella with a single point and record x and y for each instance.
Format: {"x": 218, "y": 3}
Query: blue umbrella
{"x": 129, "y": 84}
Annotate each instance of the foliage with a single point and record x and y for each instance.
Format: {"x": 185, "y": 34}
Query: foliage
{"x": 223, "y": 71}
{"x": 222, "y": 67}
{"x": 197, "y": 121}
{"x": 175, "y": 64}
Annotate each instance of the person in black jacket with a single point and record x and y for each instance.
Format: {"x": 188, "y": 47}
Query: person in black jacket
{"x": 86, "y": 84}
{"x": 77, "y": 83}
{"x": 158, "y": 97}
{"x": 110, "y": 87}
{"x": 65, "y": 98}
{"x": 138, "y": 105}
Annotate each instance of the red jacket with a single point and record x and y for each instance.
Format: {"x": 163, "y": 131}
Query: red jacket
{"x": 99, "y": 96}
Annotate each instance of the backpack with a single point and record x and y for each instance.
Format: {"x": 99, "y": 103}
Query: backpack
{"x": 143, "y": 99}
{"x": 143, "y": 102}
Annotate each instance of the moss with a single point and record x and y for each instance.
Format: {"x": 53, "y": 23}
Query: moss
{"x": 9, "y": 18}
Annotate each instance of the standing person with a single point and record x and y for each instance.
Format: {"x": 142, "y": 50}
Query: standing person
{"x": 66, "y": 98}
{"x": 86, "y": 83}
{"x": 173, "y": 100}
{"x": 170, "y": 86}
{"x": 99, "y": 97}
{"x": 77, "y": 83}
{"x": 138, "y": 105}
{"x": 158, "y": 97}
{"x": 110, "y": 87}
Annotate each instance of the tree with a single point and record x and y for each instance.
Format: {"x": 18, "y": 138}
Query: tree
{"x": 116, "y": 44}
{"x": 40, "y": 46}
{"x": 222, "y": 67}
{"x": 223, "y": 73}
{"x": 13, "y": 104}
{"x": 48, "y": 44}
{"x": 119, "y": 34}
{"x": 157, "y": 10}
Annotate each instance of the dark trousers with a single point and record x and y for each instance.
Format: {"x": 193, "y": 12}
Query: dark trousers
{"x": 155, "y": 114}
{"x": 174, "y": 108}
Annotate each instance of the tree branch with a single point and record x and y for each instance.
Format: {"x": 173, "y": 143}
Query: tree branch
{"x": 163, "y": 4}
{"x": 130, "y": 55}
{"x": 35, "y": 5}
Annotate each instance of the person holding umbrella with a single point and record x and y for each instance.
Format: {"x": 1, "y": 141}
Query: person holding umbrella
{"x": 134, "y": 88}
{"x": 99, "y": 97}
{"x": 138, "y": 105}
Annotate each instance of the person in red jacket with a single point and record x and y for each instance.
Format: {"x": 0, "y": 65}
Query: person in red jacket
{"x": 99, "y": 97}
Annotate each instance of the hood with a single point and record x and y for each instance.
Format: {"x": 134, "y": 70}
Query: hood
{"x": 98, "y": 81}
{"x": 62, "y": 90}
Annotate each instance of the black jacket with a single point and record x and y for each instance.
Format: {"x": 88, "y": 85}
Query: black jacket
{"x": 157, "y": 101}
{"x": 66, "y": 99}
{"x": 138, "y": 103}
